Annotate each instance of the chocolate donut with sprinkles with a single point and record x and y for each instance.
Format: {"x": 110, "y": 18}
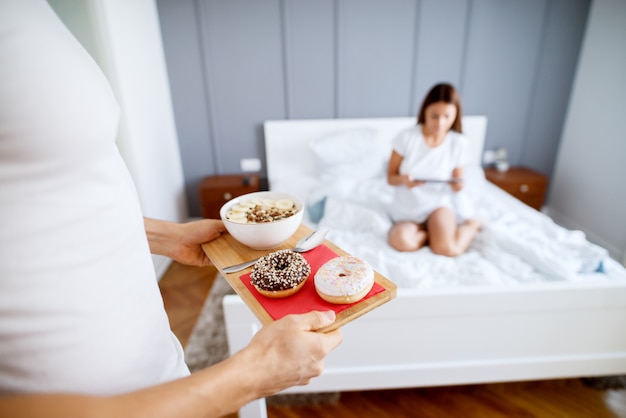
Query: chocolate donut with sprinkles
{"x": 280, "y": 274}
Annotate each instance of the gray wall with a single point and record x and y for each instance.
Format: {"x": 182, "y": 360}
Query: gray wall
{"x": 590, "y": 169}
{"x": 235, "y": 63}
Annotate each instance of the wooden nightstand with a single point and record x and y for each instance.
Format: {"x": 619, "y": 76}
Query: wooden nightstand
{"x": 217, "y": 190}
{"x": 527, "y": 185}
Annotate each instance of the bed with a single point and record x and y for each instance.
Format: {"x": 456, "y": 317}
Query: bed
{"x": 529, "y": 300}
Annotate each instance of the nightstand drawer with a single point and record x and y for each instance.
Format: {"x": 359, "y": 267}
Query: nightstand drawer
{"x": 532, "y": 196}
{"x": 527, "y": 185}
{"x": 216, "y": 190}
{"x": 525, "y": 189}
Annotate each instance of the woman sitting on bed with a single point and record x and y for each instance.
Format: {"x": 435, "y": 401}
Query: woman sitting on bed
{"x": 426, "y": 166}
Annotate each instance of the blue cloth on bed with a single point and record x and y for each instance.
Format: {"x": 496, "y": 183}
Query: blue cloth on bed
{"x": 316, "y": 210}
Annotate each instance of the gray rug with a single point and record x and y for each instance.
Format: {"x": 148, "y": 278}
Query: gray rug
{"x": 606, "y": 382}
{"x": 208, "y": 345}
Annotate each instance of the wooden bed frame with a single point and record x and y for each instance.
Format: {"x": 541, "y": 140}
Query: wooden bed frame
{"x": 433, "y": 337}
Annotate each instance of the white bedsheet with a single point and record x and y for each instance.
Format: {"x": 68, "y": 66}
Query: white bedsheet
{"x": 517, "y": 245}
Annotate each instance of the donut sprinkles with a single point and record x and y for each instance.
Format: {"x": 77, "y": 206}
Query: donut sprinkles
{"x": 277, "y": 274}
{"x": 345, "y": 279}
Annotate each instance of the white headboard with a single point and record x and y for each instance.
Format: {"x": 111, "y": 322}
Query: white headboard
{"x": 288, "y": 153}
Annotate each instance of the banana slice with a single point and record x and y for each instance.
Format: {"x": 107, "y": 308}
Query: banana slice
{"x": 236, "y": 216}
{"x": 239, "y": 221}
{"x": 239, "y": 208}
{"x": 231, "y": 214}
{"x": 268, "y": 202}
{"x": 284, "y": 203}
{"x": 249, "y": 204}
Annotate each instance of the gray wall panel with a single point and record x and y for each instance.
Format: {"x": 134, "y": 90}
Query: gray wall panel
{"x": 441, "y": 27}
{"x": 560, "y": 50}
{"x": 504, "y": 43}
{"x": 310, "y": 58}
{"x": 245, "y": 71}
{"x": 234, "y": 64}
{"x": 376, "y": 49}
{"x": 179, "y": 27}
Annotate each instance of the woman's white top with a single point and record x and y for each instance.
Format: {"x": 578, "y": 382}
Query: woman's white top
{"x": 422, "y": 162}
{"x": 80, "y": 308}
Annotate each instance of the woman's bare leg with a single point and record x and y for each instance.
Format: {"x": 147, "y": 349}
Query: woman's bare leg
{"x": 407, "y": 236}
{"x": 446, "y": 238}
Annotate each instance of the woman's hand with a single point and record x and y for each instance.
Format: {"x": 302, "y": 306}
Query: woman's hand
{"x": 182, "y": 241}
{"x": 413, "y": 183}
{"x": 458, "y": 183}
{"x": 394, "y": 177}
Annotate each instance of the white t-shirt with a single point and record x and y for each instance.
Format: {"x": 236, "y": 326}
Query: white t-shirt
{"x": 422, "y": 162}
{"x": 80, "y": 308}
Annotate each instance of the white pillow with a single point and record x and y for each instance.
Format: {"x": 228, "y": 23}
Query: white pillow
{"x": 354, "y": 153}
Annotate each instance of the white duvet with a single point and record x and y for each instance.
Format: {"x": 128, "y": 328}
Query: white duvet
{"x": 517, "y": 245}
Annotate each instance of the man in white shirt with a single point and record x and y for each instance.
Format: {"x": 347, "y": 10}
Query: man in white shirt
{"x": 82, "y": 324}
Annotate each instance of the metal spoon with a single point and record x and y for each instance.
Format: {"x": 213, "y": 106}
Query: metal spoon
{"x": 307, "y": 243}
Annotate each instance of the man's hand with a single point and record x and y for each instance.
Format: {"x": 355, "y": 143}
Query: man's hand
{"x": 289, "y": 352}
{"x": 182, "y": 242}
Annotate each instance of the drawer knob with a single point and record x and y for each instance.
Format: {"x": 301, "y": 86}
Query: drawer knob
{"x": 523, "y": 188}
{"x": 228, "y": 196}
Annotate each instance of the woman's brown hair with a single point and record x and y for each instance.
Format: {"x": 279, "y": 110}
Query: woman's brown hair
{"x": 446, "y": 93}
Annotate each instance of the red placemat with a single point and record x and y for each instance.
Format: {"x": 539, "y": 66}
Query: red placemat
{"x": 306, "y": 299}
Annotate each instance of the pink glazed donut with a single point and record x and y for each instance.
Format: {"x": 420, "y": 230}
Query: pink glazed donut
{"x": 344, "y": 280}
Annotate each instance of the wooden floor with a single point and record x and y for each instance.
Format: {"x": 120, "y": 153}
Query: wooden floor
{"x": 184, "y": 290}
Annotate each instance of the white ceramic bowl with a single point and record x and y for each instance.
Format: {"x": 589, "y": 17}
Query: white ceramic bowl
{"x": 263, "y": 236}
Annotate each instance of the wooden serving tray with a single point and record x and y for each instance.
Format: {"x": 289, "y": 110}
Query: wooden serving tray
{"x": 226, "y": 251}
